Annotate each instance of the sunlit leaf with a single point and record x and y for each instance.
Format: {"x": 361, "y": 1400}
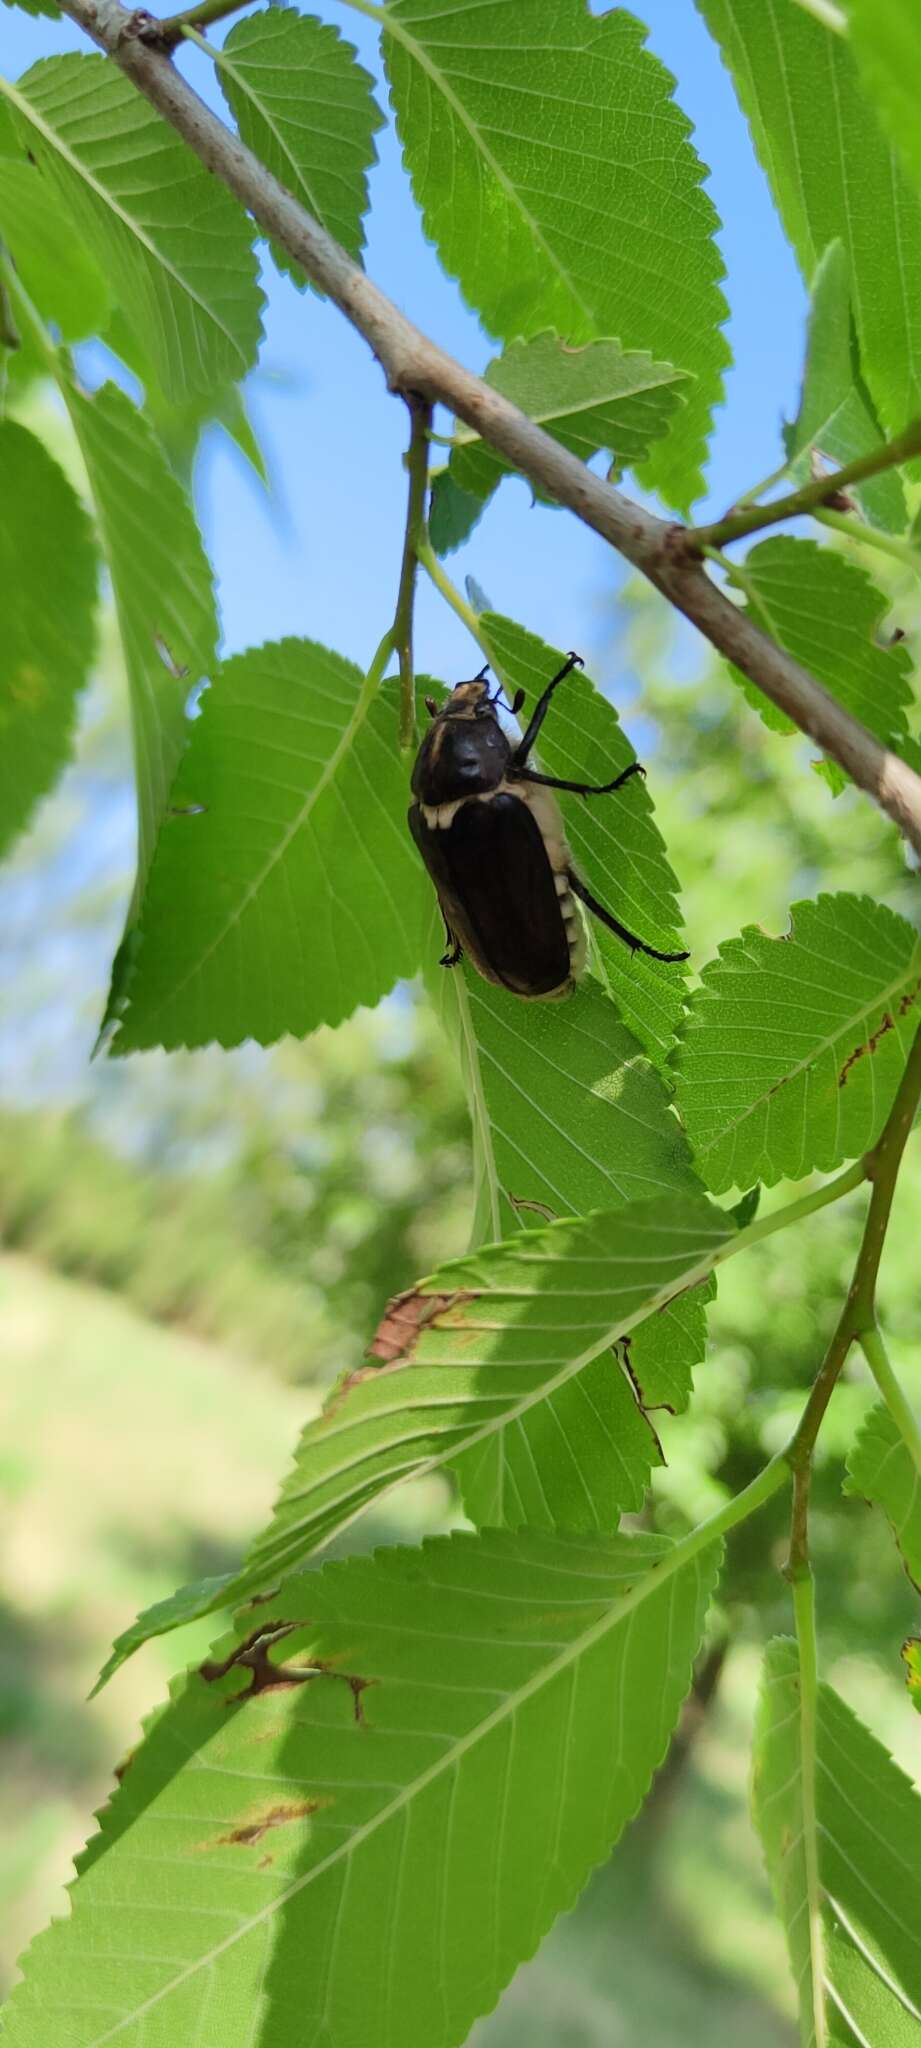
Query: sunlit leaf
{"x": 793, "y": 1048}
{"x": 828, "y": 614}
{"x": 173, "y": 244}
{"x": 881, "y": 1469}
{"x": 557, "y": 178}
{"x": 46, "y": 644}
{"x": 306, "y": 107}
{"x": 180, "y": 424}
{"x": 479, "y": 1345}
{"x": 853, "y": 1932}
{"x": 837, "y": 417}
{"x": 285, "y": 889}
{"x": 62, "y": 278}
{"x": 269, "y": 1834}
{"x": 615, "y": 841}
{"x": 832, "y": 178}
{"x": 587, "y": 398}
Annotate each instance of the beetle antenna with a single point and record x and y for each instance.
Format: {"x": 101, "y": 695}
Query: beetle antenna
{"x": 481, "y": 672}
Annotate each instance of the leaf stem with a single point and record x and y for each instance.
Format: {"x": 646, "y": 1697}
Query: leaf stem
{"x": 437, "y": 574}
{"x": 417, "y": 464}
{"x": 9, "y": 332}
{"x": 906, "y": 1422}
{"x": 751, "y": 519}
{"x": 164, "y": 35}
{"x": 804, "y": 1615}
{"x": 891, "y": 544}
{"x": 793, "y": 1212}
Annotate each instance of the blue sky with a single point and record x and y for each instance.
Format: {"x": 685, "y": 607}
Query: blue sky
{"x": 321, "y": 557}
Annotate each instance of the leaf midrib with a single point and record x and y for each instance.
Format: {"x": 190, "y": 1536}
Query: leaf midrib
{"x": 82, "y": 171}
{"x": 824, "y": 1045}
{"x": 253, "y": 1574}
{"x": 652, "y": 1579}
{"x": 359, "y": 713}
{"x": 391, "y": 25}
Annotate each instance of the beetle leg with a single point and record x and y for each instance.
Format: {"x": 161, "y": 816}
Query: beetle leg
{"x": 453, "y": 950}
{"x": 629, "y": 938}
{"x": 540, "y": 710}
{"x": 584, "y": 788}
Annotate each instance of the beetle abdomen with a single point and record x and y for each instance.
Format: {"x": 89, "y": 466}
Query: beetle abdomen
{"x": 499, "y": 893}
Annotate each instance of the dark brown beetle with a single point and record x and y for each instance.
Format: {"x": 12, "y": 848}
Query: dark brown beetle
{"x": 490, "y": 832}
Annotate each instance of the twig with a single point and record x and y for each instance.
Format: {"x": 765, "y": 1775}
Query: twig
{"x": 752, "y": 518}
{"x": 413, "y": 363}
{"x": 877, "y": 1357}
{"x": 859, "y": 1312}
{"x": 164, "y": 35}
{"x": 804, "y": 1616}
{"x": 417, "y": 464}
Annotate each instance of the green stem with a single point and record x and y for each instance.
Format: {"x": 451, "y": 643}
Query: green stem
{"x": 858, "y": 1315}
{"x": 751, "y": 519}
{"x": 417, "y": 464}
{"x": 804, "y": 1615}
{"x": 892, "y": 544}
{"x": 428, "y": 560}
{"x": 757, "y": 491}
{"x": 766, "y": 1483}
{"x": 793, "y": 1212}
{"x": 166, "y": 34}
{"x": 906, "y": 1422}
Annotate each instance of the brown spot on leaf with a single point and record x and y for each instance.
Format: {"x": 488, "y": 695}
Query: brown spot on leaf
{"x": 251, "y": 1831}
{"x": 536, "y": 1208}
{"x": 887, "y": 1023}
{"x": 403, "y": 1320}
{"x": 253, "y": 1656}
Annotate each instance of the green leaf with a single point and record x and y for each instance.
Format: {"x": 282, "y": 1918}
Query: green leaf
{"x": 470, "y": 1352}
{"x": 306, "y": 107}
{"x": 587, "y": 398}
{"x": 556, "y": 176}
{"x": 837, "y": 416}
{"x": 179, "y": 425}
{"x": 161, "y": 584}
{"x": 880, "y": 1469}
{"x": 306, "y": 1860}
{"x": 884, "y": 37}
{"x": 47, "y": 641}
{"x": 863, "y": 1960}
{"x": 47, "y": 7}
{"x": 285, "y": 889}
{"x": 827, "y": 613}
{"x": 833, "y": 176}
{"x": 169, "y": 238}
{"x": 616, "y": 844}
{"x": 453, "y": 513}
{"x": 62, "y": 279}
{"x": 569, "y": 1116}
{"x": 793, "y": 1048}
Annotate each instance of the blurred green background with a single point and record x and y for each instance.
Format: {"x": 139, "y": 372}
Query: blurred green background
{"x": 196, "y": 1245}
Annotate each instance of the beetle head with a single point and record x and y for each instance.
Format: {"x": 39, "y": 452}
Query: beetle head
{"x": 465, "y": 751}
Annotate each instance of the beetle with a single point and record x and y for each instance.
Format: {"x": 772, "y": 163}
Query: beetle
{"x": 489, "y": 829}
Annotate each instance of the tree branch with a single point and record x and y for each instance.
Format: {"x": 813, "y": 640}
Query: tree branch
{"x": 752, "y": 518}
{"x": 859, "y": 1312}
{"x": 164, "y": 35}
{"x": 413, "y": 363}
